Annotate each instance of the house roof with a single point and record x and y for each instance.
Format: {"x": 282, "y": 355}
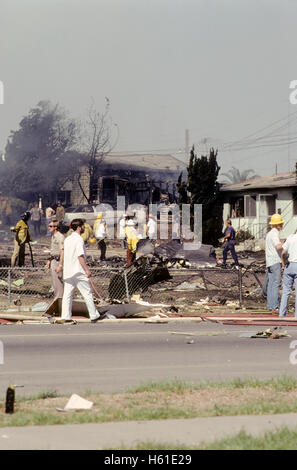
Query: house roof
{"x": 266, "y": 182}
{"x": 147, "y": 161}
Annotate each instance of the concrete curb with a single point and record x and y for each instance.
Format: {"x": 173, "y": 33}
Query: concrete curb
{"x": 95, "y": 436}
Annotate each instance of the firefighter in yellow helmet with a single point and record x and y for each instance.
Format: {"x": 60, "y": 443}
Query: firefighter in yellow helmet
{"x": 272, "y": 280}
{"x": 132, "y": 241}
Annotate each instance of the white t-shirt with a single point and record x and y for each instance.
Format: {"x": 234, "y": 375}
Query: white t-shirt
{"x": 290, "y": 246}
{"x": 100, "y": 230}
{"x": 272, "y": 255}
{"x": 122, "y": 228}
{"x": 152, "y": 228}
{"x": 73, "y": 248}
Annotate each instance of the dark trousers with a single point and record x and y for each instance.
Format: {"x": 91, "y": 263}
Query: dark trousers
{"x": 36, "y": 224}
{"x": 230, "y": 247}
{"x": 130, "y": 257}
{"x": 102, "y": 248}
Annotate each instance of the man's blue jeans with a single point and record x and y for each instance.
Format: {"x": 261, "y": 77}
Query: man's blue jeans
{"x": 271, "y": 286}
{"x": 290, "y": 276}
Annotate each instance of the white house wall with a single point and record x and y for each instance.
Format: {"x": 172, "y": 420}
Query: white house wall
{"x": 284, "y": 203}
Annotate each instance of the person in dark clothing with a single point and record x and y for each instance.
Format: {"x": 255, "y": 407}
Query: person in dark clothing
{"x": 229, "y": 237}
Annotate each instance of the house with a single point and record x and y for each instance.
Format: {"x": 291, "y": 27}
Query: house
{"x": 250, "y": 203}
{"x": 141, "y": 179}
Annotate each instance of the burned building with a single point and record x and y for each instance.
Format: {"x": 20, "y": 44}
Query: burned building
{"x": 141, "y": 179}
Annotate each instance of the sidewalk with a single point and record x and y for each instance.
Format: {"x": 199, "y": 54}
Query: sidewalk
{"x": 114, "y": 435}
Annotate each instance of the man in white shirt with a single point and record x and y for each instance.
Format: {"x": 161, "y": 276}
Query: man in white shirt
{"x": 100, "y": 234}
{"x": 273, "y": 263}
{"x": 76, "y": 272}
{"x": 290, "y": 273}
{"x": 122, "y": 225}
{"x": 152, "y": 227}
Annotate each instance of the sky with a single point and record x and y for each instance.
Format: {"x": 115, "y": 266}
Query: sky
{"x": 219, "y": 68}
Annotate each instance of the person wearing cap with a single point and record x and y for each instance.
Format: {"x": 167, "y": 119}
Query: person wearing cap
{"x": 289, "y": 265}
{"x": 22, "y": 236}
{"x": 272, "y": 280}
{"x": 151, "y": 227}
{"x": 88, "y": 234}
{"x": 100, "y": 234}
{"x": 132, "y": 241}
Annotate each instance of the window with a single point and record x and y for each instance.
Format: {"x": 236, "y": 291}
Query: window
{"x": 108, "y": 189}
{"x": 236, "y": 207}
{"x": 250, "y": 206}
{"x": 267, "y": 205}
{"x": 87, "y": 209}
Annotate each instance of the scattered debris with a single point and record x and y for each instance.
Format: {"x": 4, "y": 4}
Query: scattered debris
{"x": 40, "y": 307}
{"x": 156, "y": 319}
{"x": 275, "y": 333}
{"x": 76, "y": 402}
{"x": 138, "y": 277}
{"x": 189, "y": 286}
{"x": 201, "y": 333}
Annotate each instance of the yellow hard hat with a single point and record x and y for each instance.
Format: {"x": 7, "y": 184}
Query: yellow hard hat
{"x": 92, "y": 240}
{"x": 99, "y": 216}
{"x": 276, "y": 219}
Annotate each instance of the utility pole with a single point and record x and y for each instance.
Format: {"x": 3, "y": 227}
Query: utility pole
{"x": 289, "y": 163}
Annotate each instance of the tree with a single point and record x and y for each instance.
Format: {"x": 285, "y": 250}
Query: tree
{"x": 97, "y": 143}
{"x": 235, "y": 176}
{"x": 40, "y": 156}
{"x": 201, "y": 187}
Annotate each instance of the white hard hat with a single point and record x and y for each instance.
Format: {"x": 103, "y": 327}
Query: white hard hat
{"x": 130, "y": 223}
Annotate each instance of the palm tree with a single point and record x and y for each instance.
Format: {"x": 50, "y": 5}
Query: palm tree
{"x": 235, "y": 176}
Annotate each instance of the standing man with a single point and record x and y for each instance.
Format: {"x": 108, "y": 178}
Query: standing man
{"x": 272, "y": 280}
{"x": 290, "y": 273}
{"x": 36, "y": 214}
{"x": 100, "y": 234}
{"x": 49, "y": 215}
{"x": 22, "y": 236}
{"x": 151, "y": 227}
{"x": 55, "y": 261}
{"x": 76, "y": 272}
{"x": 60, "y": 212}
{"x": 229, "y": 236}
{"x": 122, "y": 235}
{"x": 132, "y": 241}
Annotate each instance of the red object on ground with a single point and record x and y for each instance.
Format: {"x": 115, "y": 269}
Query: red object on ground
{"x": 260, "y": 323}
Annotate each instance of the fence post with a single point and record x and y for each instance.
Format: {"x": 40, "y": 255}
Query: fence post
{"x": 204, "y": 281}
{"x": 240, "y": 287}
{"x": 9, "y": 285}
{"x": 127, "y": 287}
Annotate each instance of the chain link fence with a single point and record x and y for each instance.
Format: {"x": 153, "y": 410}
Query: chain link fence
{"x": 28, "y": 286}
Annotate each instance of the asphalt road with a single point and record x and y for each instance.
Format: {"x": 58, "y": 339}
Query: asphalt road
{"x": 114, "y": 357}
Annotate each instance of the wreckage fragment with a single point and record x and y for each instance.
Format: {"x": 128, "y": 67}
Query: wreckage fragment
{"x": 139, "y": 276}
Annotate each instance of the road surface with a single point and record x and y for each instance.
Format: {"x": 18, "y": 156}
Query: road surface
{"x": 114, "y": 357}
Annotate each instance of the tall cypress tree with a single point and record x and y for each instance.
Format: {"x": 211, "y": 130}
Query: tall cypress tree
{"x": 201, "y": 187}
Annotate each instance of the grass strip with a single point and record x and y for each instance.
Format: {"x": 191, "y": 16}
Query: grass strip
{"x": 281, "y": 439}
{"x": 162, "y": 400}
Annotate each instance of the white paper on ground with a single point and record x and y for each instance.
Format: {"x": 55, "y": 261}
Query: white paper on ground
{"x": 76, "y": 402}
